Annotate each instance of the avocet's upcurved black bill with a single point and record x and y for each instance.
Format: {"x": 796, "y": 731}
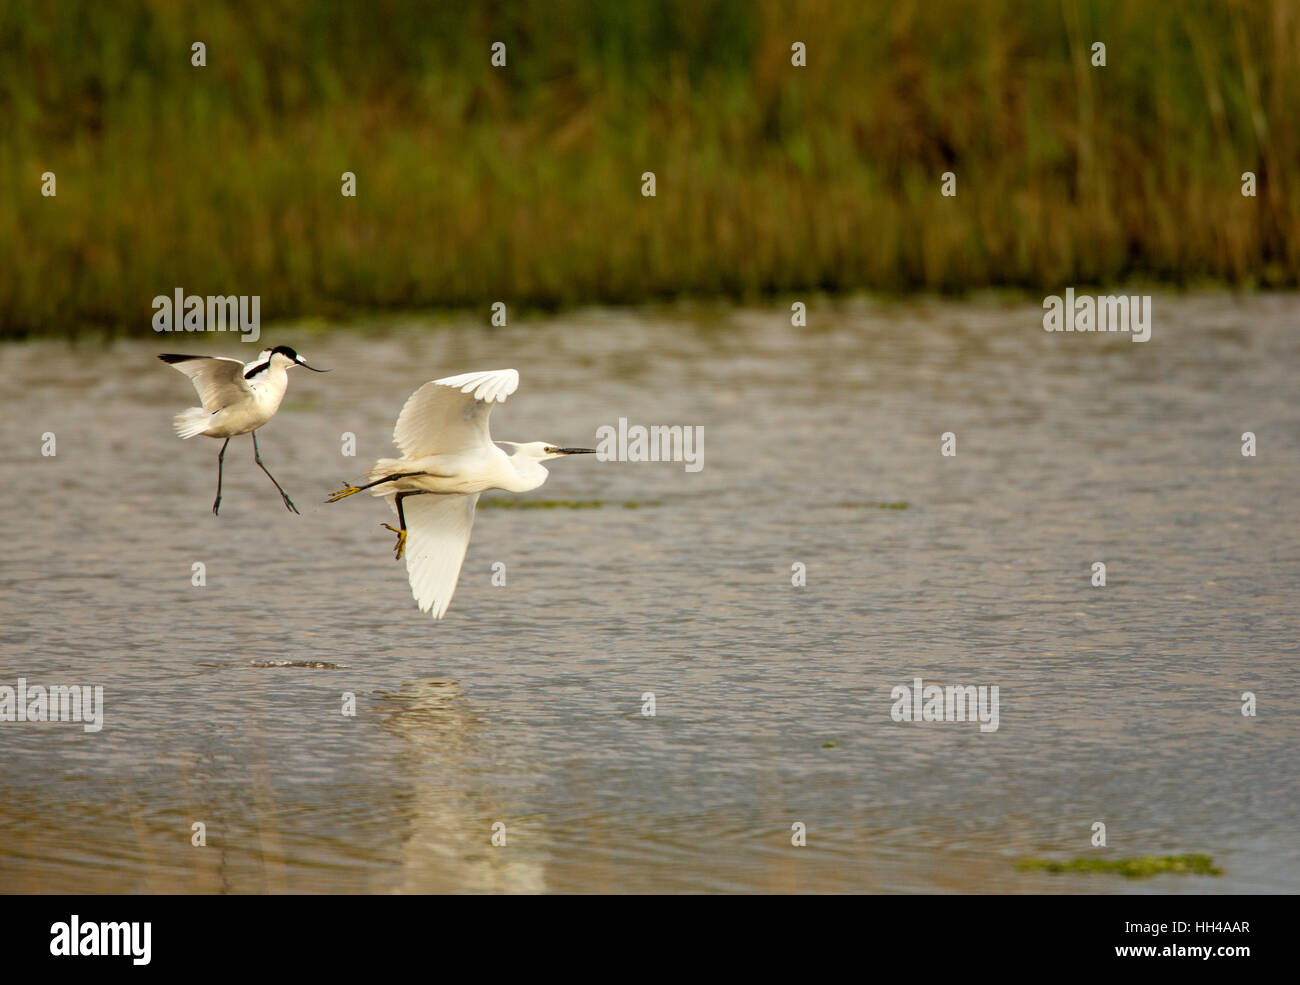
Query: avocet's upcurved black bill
{"x": 303, "y": 363}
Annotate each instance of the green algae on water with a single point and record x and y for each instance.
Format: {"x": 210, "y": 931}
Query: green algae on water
{"x": 1129, "y": 868}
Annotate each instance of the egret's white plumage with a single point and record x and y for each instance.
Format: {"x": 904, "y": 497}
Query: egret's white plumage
{"x": 439, "y": 537}
{"x": 238, "y": 398}
{"x": 438, "y": 418}
{"x": 448, "y": 458}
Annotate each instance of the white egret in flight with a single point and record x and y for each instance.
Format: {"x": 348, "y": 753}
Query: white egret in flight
{"x": 448, "y": 458}
{"x": 238, "y": 398}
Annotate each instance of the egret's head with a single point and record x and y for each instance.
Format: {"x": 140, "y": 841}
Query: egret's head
{"x": 283, "y": 355}
{"x": 542, "y": 451}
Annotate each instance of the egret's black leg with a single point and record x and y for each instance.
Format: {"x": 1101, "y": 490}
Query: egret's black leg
{"x": 257, "y": 454}
{"x": 350, "y": 489}
{"x": 221, "y": 459}
{"x": 400, "y": 530}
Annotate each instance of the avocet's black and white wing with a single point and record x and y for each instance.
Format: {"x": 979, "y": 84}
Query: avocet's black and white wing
{"x": 219, "y": 381}
{"x": 451, "y": 415}
{"x": 438, "y": 534}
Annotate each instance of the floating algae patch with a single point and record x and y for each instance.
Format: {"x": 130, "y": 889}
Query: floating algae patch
{"x": 557, "y": 504}
{"x": 875, "y": 506}
{"x": 1129, "y": 868}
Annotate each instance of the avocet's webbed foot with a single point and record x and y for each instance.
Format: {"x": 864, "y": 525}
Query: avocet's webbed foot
{"x": 401, "y": 541}
{"x": 347, "y": 490}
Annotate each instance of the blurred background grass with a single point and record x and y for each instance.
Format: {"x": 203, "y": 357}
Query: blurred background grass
{"x": 523, "y": 183}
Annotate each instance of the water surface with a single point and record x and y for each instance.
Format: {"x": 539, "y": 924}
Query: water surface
{"x": 1118, "y": 704}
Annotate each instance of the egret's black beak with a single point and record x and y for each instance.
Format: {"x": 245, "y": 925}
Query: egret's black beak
{"x": 576, "y": 451}
{"x": 304, "y": 365}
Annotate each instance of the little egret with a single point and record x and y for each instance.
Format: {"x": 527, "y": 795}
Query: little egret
{"x": 448, "y": 458}
{"x": 238, "y": 398}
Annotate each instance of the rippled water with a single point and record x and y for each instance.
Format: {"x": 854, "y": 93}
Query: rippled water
{"x": 1118, "y": 704}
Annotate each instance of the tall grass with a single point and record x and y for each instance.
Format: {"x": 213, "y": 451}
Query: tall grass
{"x": 523, "y": 184}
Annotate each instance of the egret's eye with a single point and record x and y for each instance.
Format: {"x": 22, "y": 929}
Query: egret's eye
{"x": 551, "y": 450}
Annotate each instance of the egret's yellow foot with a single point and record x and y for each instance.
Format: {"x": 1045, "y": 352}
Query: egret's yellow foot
{"x": 401, "y": 542}
{"x": 345, "y": 491}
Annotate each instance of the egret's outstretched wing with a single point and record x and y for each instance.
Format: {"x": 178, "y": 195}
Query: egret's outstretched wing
{"x": 219, "y": 381}
{"x": 437, "y": 534}
{"x": 451, "y": 415}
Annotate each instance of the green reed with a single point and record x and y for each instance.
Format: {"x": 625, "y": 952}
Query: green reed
{"x": 523, "y": 183}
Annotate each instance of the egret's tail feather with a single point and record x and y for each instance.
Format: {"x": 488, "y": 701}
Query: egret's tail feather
{"x": 194, "y": 421}
{"x": 384, "y": 467}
